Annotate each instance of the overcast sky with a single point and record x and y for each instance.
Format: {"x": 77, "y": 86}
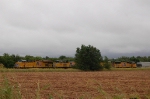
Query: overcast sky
{"x": 57, "y": 27}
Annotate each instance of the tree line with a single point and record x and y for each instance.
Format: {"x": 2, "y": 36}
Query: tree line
{"x": 133, "y": 58}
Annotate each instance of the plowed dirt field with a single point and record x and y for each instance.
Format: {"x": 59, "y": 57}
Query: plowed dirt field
{"x": 82, "y": 85}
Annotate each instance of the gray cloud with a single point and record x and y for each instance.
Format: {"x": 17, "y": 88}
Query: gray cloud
{"x": 57, "y": 27}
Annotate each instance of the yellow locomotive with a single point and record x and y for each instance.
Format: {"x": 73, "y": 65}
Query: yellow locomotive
{"x": 119, "y": 64}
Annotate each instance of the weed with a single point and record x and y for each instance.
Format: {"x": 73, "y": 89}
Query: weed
{"x": 118, "y": 90}
{"x": 133, "y": 89}
{"x": 38, "y": 91}
{"x": 9, "y": 91}
{"x": 119, "y": 96}
{"x": 51, "y": 96}
{"x": 147, "y": 97}
{"x": 100, "y": 90}
{"x": 134, "y": 96}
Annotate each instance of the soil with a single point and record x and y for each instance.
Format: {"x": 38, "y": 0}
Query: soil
{"x": 82, "y": 85}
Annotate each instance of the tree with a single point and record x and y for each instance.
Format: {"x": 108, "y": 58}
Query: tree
{"x": 88, "y": 58}
{"x": 47, "y": 58}
{"x": 148, "y": 58}
{"x": 134, "y": 59}
{"x": 38, "y": 58}
{"x": 29, "y": 58}
{"x": 106, "y": 64}
{"x": 62, "y": 57}
{"x": 7, "y": 60}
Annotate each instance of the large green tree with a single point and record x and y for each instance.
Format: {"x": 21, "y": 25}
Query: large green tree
{"x": 88, "y": 58}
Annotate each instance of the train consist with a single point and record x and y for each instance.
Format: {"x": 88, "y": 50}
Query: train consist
{"x": 42, "y": 64}
{"x": 59, "y": 64}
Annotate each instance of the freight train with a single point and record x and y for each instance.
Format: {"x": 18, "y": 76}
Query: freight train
{"x": 42, "y": 64}
{"x": 60, "y": 64}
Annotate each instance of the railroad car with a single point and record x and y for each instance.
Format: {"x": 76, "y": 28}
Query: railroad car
{"x": 118, "y": 64}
